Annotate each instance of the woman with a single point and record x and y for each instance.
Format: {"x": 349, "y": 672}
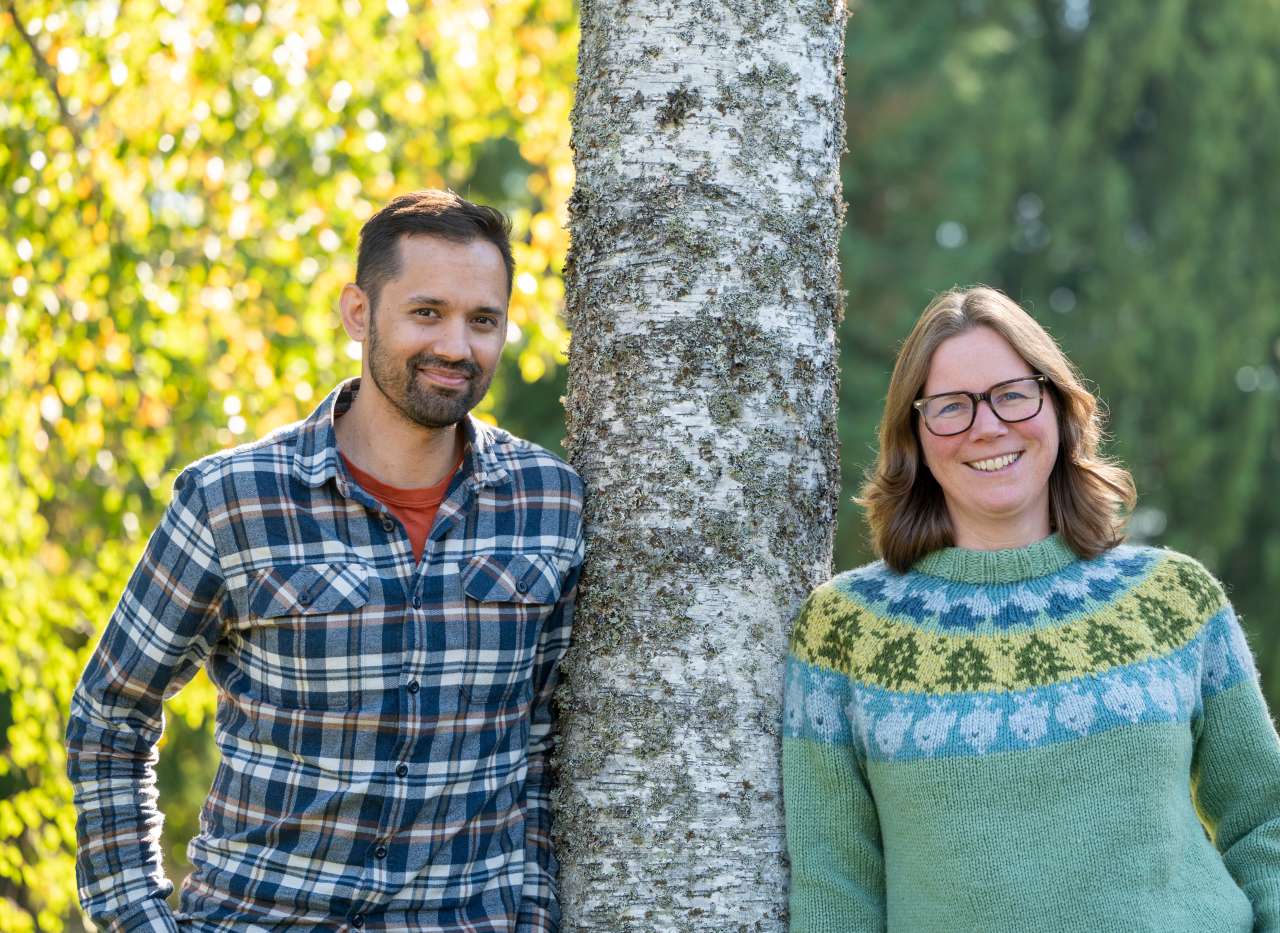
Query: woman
{"x": 1012, "y": 721}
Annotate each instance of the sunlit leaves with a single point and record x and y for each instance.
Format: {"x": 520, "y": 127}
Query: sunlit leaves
{"x": 183, "y": 184}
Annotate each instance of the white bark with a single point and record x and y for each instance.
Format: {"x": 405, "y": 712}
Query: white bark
{"x": 703, "y": 295}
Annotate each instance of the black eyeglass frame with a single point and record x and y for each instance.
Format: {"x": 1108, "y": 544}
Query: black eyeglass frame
{"x": 976, "y": 397}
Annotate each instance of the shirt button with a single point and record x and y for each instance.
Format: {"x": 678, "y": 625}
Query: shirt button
{"x": 357, "y": 921}
{"x": 380, "y": 852}
{"x": 413, "y": 687}
{"x": 388, "y": 524}
{"x": 417, "y": 602}
{"x": 304, "y": 598}
{"x": 522, "y": 587}
{"x": 402, "y": 770}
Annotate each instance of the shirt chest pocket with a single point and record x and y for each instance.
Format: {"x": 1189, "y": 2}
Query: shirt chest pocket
{"x": 506, "y": 599}
{"x": 304, "y": 638}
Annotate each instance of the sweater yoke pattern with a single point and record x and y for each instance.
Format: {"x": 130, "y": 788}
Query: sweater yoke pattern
{"x": 902, "y": 667}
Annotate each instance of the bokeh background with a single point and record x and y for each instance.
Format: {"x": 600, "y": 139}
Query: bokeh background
{"x": 183, "y": 183}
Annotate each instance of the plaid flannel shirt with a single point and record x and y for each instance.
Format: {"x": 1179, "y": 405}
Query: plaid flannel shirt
{"x": 383, "y": 725}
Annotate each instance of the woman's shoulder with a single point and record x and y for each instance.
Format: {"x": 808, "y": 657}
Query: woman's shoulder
{"x": 837, "y": 605}
{"x": 867, "y": 582}
{"x": 1168, "y": 555}
{"x": 857, "y": 576}
{"x": 1183, "y": 575}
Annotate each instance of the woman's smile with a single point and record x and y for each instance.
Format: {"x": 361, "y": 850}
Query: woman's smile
{"x": 997, "y": 464}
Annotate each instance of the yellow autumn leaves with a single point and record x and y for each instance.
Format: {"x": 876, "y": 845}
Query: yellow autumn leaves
{"x": 184, "y": 183}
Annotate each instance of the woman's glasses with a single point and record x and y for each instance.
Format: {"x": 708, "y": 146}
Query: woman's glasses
{"x": 1012, "y": 401}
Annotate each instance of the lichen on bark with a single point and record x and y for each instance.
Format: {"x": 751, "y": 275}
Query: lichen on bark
{"x": 703, "y": 295}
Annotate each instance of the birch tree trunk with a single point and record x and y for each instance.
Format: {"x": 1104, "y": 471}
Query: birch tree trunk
{"x": 703, "y": 296}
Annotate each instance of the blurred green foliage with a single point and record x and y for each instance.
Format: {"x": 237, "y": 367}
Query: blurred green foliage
{"x": 183, "y": 187}
{"x": 184, "y": 184}
{"x": 1116, "y": 169}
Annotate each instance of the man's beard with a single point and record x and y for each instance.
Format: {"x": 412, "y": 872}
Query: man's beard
{"x": 428, "y": 406}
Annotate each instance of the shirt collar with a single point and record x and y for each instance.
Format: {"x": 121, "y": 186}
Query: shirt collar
{"x": 316, "y": 460}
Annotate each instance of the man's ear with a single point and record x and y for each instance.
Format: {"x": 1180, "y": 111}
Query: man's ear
{"x": 354, "y": 304}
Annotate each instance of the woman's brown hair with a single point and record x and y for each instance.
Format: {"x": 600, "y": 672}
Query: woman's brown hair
{"x": 1089, "y": 495}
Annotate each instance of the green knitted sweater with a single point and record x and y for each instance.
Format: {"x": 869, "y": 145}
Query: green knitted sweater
{"x": 1022, "y": 740}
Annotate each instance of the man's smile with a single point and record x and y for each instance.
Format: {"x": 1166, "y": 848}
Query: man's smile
{"x": 449, "y": 378}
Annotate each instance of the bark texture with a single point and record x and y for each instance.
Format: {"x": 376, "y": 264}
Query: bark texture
{"x": 703, "y": 296}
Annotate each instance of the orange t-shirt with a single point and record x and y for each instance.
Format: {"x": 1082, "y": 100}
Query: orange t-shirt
{"x": 416, "y": 508}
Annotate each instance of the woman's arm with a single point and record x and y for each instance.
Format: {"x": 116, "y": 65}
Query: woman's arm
{"x": 1235, "y": 768}
{"x": 833, "y": 831}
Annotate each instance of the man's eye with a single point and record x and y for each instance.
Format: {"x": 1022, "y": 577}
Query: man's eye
{"x": 485, "y": 321}
{"x": 426, "y": 312}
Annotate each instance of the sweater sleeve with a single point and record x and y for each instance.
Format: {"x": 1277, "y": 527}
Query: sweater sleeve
{"x": 1236, "y": 769}
{"x": 833, "y": 830}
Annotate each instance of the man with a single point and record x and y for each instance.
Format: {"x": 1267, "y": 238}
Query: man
{"x": 381, "y": 594}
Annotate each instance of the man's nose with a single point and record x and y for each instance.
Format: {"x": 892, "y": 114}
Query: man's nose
{"x": 449, "y": 340}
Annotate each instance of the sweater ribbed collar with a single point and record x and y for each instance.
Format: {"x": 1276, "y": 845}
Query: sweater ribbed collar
{"x": 1046, "y": 556}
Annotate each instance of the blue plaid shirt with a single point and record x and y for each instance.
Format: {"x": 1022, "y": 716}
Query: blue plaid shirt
{"x": 384, "y": 725}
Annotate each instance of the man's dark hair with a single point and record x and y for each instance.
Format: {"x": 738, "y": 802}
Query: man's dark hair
{"x": 425, "y": 213}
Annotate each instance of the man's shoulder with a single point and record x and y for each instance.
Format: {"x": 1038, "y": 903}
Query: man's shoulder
{"x": 273, "y": 453}
{"x": 531, "y": 463}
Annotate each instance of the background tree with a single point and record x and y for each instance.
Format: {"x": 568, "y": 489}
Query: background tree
{"x": 703, "y": 296}
{"x": 183, "y": 186}
{"x": 1116, "y": 168}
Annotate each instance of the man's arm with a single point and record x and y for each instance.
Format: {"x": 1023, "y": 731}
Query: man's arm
{"x": 161, "y": 631}
{"x": 540, "y": 903}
